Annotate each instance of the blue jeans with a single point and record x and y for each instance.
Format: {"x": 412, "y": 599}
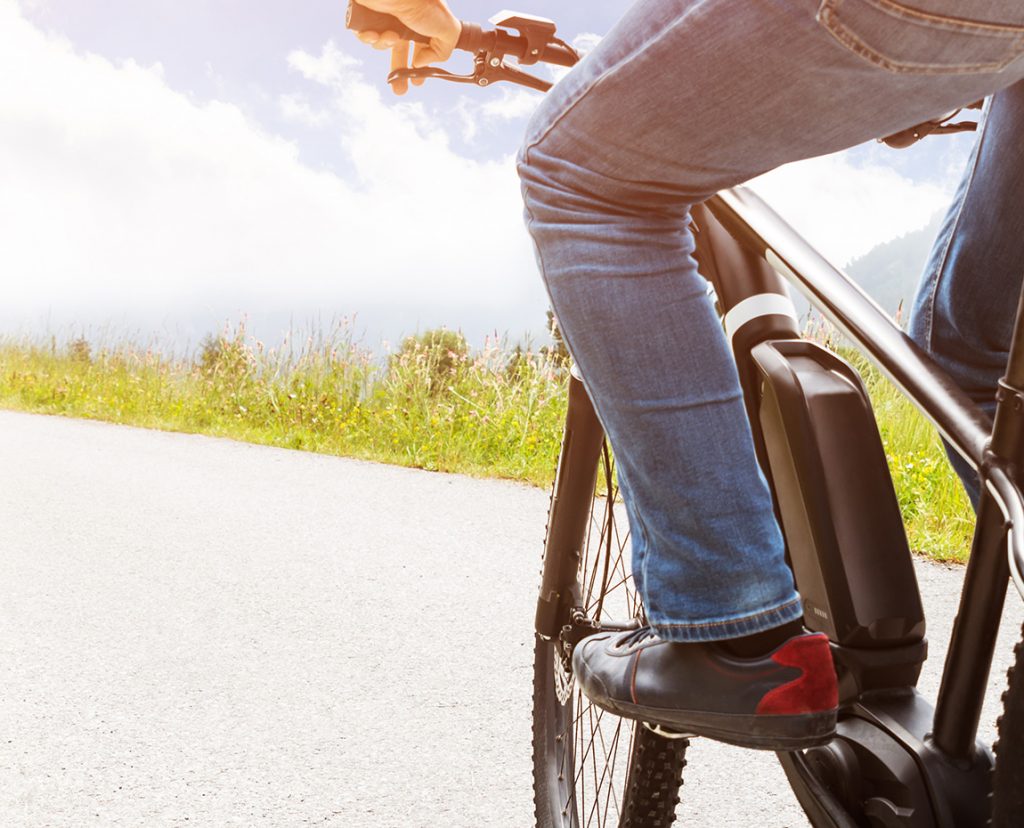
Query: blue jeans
{"x": 966, "y": 304}
{"x": 681, "y": 99}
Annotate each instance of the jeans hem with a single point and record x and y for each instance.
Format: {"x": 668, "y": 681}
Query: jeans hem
{"x": 717, "y": 630}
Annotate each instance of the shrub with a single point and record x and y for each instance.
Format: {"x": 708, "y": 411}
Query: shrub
{"x": 440, "y": 352}
{"x": 225, "y": 355}
{"x": 80, "y": 350}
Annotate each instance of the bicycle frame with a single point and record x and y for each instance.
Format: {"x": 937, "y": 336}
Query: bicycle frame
{"x": 932, "y": 755}
{"x": 996, "y": 549}
{"x": 942, "y": 743}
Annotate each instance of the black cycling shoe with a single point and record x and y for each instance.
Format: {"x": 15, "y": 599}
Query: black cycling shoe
{"x": 784, "y": 700}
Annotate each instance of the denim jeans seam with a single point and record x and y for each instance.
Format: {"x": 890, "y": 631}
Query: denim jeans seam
{"x": 944, "y": 260}
{"x": 729, "y": 622}
{"x": 645, "y": 559}
{"x": 832, "y": 21}
{"x": 590, "y": 86}
{"x": 945, "y": 22}
{"x": 530, "y": 220}
{"x": 639, "y": 528}
{"x": 642, "y": 548}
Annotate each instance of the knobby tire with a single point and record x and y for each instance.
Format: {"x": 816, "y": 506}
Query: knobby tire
{"x": 591, "y": 768}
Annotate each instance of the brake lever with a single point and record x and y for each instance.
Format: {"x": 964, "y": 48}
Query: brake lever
{"x": 918, "y": 132}
{"x": 488, "y": 69}
{"x": 936, "y": 126}
{"x": 424, "y": 72}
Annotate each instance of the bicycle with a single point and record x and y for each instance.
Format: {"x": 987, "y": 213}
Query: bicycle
{"x": 895, "y": 760}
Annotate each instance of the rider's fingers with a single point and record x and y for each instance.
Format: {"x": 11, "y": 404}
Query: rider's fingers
{"x": 387, "y": 40}
{"x": 421, "y": 56}
{"x": 368, "y": 37}
{"x": 400, "y": 60}
{"x": 424, "y": 53}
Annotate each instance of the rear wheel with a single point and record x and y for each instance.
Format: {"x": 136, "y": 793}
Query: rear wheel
{"x": 590, "y": 767}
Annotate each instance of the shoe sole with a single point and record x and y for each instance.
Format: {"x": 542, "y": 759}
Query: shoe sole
{"x": 760, "y": 732}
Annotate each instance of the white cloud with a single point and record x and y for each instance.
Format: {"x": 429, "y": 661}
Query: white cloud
{"x": 294, "y": 108}
{"x": 584, "y": 43}
{"x": 499, "y": 104}
{"x": 515, "y": 102}
{"x": 846, "y": 209}
{"x": 120, "y": 194}
{"x": 466, "y": 115}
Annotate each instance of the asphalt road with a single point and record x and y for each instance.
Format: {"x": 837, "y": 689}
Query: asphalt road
{"x": 200, "y": 632}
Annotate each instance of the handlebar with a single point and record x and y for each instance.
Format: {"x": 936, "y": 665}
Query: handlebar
{"x": 526, "y": 50}
{"x": 534, "y": 42}
{"x": 361, "y": 19}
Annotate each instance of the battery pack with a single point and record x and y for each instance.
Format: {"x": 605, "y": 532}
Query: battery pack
{"x": 835, "y": 498}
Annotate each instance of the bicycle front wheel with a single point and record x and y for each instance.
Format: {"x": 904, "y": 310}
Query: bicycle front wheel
{"x": 590, "y": 767}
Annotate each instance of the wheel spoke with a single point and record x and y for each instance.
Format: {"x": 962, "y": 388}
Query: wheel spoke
{"x": 592, "y": 756}
{"x": 608, "y": 798}
{"x": 608, "y": 772}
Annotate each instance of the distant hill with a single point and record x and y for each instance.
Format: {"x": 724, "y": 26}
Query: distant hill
{"x": 890, "y": 271}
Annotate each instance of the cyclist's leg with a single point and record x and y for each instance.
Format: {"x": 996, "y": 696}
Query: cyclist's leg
{"x": 965, "y": 309}
{"x": 679, "y": 101}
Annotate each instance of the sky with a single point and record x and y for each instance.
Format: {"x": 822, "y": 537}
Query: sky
{"x": 169, "y": 166}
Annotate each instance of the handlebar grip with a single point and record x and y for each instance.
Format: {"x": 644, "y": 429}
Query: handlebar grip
{"x": 361, "y": 19}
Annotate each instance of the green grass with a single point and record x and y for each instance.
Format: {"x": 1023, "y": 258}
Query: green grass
{"x": 936, "y": 511}
{"x": 483, "y": 414}
{"x": 433, "y": 405}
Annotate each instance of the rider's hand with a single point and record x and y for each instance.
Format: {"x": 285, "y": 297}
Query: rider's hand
{"x": 431, "y": 18}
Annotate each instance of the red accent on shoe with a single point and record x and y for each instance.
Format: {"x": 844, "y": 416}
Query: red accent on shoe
{"x": 815, "y": 690}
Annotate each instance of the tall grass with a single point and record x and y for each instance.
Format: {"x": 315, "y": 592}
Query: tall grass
{"x": 434, "y": 404}
{"x": 938, "y": 515}
{"x": 491, "y": 413}
{"x": 935, "y": 508}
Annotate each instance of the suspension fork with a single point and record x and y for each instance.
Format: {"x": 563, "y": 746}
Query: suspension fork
{"x": 569, "y": 512}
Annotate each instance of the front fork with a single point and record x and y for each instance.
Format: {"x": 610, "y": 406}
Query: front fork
{"x": 569, "y": 512}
